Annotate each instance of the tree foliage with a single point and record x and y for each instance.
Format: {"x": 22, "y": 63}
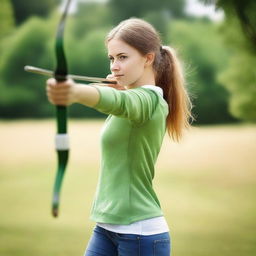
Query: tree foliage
{"x": 239, "y": 77}
{"x": 22, "y": 91}
{"x": 6, "y": 18}
{"x": 26, "y": 8}
{"x": 244, "y": 11}
{"x": 33, "y": 44}
{"x": 239, "y": 31}
{"x": 123, "y": 9}
{"x": 204, "y": 57}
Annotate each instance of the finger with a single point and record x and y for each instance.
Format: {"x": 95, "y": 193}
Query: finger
{"x": 58, "y": 94}
{"x": 58, "y": 100}
{"x": 58, "y": 88}
{"x": 110, "y": 76}
{"x": 52, "y": 82}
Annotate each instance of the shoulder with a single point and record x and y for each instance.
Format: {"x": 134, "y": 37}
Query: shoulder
{"x": 149, "y": 90}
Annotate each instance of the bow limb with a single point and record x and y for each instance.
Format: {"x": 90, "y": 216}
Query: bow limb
{"x": 61, "y": 140}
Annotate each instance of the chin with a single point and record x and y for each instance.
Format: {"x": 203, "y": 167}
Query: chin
{"x": 129, "y": 84}
{"x": 122, "y": 83}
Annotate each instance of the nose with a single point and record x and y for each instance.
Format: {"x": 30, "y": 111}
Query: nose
{"x": 114, "y": 66}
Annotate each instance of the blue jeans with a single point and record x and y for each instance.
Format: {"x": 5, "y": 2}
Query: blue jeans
{"x": 107, "y": 243}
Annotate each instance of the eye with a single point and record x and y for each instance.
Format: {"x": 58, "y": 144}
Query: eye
{"x": 122, "y": 57}
{"x": 111, "y": 58}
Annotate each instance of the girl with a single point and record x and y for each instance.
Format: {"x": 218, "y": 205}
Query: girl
{"x": 149, "y": 98}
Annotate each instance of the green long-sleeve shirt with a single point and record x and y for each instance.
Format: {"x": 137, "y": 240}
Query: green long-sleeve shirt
{"x": 130, "y": 142}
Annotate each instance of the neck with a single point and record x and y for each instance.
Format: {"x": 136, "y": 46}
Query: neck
{"x": 148, "y": 78}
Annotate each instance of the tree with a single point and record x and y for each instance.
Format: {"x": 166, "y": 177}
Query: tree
{"x": 26, "y": 8}
{"x": 123, "y": 9}
{"x": 245, "y": 12}
{"x": 90, "y": 16}
{"x": 204, "y": 58}
{"x": 239, "y": 31}
{"x": 23, "y": 92}
{"x": 6, "y": 18}
{"x": 33, "y": 44}
{"x": 239, "y": 77}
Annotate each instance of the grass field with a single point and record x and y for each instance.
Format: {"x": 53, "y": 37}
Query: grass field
{"x": 206, "y": 185}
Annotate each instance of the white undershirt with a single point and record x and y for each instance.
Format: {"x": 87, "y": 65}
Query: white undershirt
{"x": 151, "y": 226}
{"x": 154, "y": 88}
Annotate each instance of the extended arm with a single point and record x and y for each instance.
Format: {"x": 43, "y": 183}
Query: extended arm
{"x": 136, "y": 105}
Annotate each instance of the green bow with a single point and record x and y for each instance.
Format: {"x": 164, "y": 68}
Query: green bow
{"x": 62, "y": 140}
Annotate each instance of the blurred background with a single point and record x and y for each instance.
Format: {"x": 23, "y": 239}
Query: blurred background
{"x": 217, "y": 47}
{"x": 206, "y": 183}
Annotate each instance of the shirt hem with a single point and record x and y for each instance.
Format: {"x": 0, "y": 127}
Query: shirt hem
{"x": 112, "y": 219}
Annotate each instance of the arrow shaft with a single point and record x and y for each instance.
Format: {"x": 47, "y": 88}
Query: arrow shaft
{"x": 50, "y": 73}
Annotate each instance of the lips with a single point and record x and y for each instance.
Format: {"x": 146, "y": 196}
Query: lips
{"x": 116, "y": 76}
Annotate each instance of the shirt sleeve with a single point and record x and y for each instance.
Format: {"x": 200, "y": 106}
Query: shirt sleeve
{"x": 137, "y": 105}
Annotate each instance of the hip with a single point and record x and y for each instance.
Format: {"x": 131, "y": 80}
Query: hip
{"x": 107, "y": 243}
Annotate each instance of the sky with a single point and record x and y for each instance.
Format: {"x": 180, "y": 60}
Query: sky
{"x": 195, "y": 8}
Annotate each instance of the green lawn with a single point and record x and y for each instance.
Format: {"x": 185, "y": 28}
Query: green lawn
{"x": 206, "y": 185}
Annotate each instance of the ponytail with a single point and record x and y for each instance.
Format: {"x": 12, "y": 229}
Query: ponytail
{"x": 170, "y": 78}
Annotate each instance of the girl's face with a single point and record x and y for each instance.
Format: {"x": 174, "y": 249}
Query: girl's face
{"x": 127, "y": 65}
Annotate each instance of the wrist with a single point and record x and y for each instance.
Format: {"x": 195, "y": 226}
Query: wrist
{"x": 77, "y": 93}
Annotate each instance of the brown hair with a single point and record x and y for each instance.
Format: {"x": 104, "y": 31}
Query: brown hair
{"x": 168, "y": 70}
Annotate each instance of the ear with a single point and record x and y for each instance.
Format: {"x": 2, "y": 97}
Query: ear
{"x": 150, "y": 57}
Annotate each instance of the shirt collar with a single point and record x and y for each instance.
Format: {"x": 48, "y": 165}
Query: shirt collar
{"x": 154, "y": 88}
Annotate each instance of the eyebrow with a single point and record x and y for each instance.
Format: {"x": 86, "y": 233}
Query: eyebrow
{"x": 117, "y": 54}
